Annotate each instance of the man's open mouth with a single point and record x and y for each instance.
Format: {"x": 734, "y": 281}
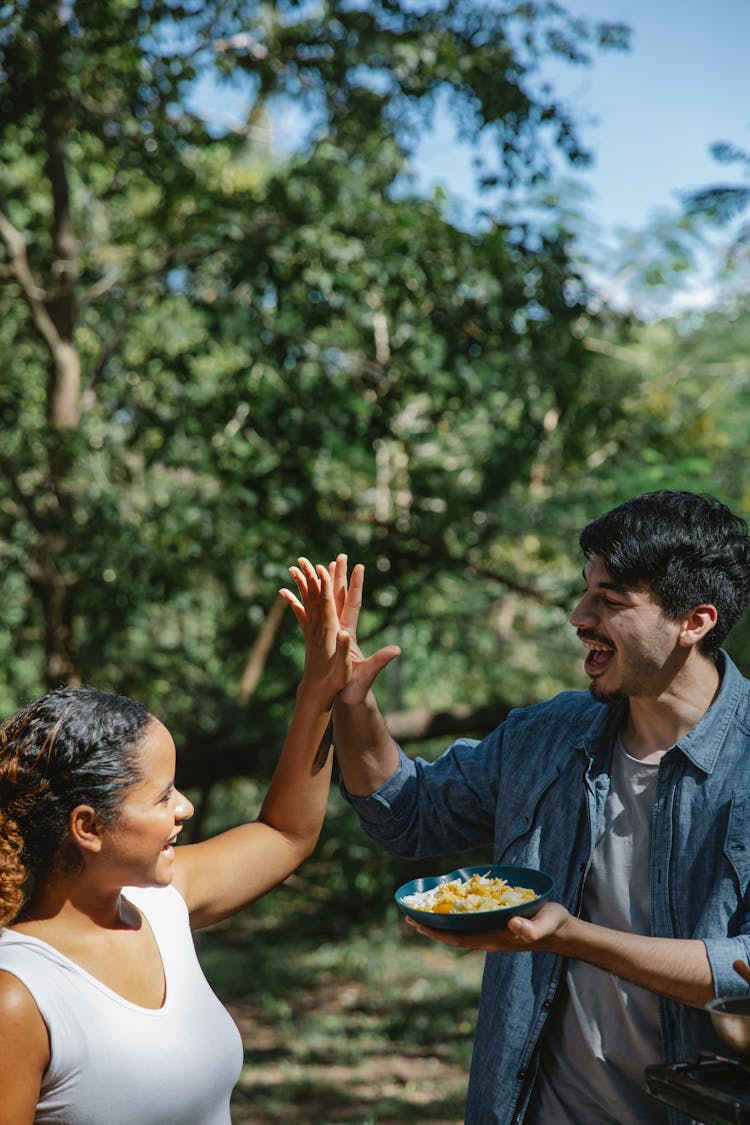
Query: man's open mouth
{"x": 599, "y": 655}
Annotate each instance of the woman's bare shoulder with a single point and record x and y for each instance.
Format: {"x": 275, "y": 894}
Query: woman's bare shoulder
{"x": 25, "y": 1054}
{"x": 16, "y": 999}
{"x": 20, "y": 1014}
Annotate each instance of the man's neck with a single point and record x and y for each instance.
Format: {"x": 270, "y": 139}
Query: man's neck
{"x": 656, "y": 723}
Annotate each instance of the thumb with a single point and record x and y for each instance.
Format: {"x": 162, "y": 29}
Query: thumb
{"x": 374, "y": 665}
{"x": 521, "y": 928}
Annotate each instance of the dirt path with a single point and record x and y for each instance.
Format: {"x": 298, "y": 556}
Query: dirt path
{"x": 370, "y": 1031}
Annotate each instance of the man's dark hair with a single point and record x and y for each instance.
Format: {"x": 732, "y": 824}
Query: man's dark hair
{"x": 690, "y": 549}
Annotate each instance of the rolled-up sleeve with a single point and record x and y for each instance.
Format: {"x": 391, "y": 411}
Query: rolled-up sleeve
{"x": 383, "y": 812}
{"x": 722, "y": 952}
{"x": 431, "y": 808}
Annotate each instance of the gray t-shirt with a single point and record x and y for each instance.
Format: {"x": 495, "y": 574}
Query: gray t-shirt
{"x": 606, "y": 1030}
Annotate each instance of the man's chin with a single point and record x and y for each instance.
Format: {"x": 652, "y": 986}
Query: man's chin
{"x": 601, "y": 695}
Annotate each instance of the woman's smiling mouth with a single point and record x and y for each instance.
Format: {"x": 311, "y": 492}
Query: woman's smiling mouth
{"x": 168, "y": 848}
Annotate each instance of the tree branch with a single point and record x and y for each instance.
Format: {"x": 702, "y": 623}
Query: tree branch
{"x": 517, "y": 587}
{"x": 65, "y": 377}
{"x": 206, "y": 762}
{"x": 422, "y": 724}
{"x": 260, "y": 650}
{"x": 65, "y": 360}
{"x": 32, "y": 291}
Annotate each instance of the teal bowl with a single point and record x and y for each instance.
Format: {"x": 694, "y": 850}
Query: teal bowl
{"x": 474, "y": 921}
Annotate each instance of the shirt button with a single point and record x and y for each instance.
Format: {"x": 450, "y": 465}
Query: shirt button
{"x": 547, "y": 1004}
{"x": 522, "y": 1073}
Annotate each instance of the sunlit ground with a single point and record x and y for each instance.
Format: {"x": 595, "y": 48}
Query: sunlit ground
{"x": 367, "y": 1028}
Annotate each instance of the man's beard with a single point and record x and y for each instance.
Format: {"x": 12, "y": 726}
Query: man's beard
{"x": 606, "y": 696}
{"x": 638, "y": 678}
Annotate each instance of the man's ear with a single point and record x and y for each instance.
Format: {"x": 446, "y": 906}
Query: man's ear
{"x": 697, "y": 623}
{"x": 85, "y": 828}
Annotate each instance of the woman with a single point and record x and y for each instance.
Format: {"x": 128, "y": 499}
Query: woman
{"x": 105, "y": 1015}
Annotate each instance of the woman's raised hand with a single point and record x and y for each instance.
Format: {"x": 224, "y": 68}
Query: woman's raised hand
{"x": 347, "y": 602}
{"x": 328, "y": 660}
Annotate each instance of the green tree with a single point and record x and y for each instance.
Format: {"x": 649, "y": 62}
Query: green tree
{"x": 723, "y": 203}
{"x": 215, "y": 357}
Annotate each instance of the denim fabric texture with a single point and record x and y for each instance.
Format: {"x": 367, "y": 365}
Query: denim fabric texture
{"x": 534, "y": 793}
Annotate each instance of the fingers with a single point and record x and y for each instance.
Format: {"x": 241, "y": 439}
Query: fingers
{"x": 337, "y": 571}
{"x": 301, "y": 581}
{"x": 448, "y": 937}
{"x": 316, "y": 583}
{"x": 312, "y": 577}
{"x": 295, "y": 605}
{"x": 329, "y": 616}
{"x": 343, "y": 653}
{"x": 488, "y": 941}
{"x": 743, "y": 970}
{"x": 308, "y": 582}
{"x": 521, "y": 933}
{"x": 349, "y": 613}
{"x": 343, "y": 643}
{"x": 309, "y": 576}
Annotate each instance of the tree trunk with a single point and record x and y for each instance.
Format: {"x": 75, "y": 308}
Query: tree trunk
{"x": 53, "y": 595}
{"x": 65, "y": 369}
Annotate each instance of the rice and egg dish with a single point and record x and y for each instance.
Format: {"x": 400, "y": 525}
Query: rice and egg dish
{"x": 474, "y": 895}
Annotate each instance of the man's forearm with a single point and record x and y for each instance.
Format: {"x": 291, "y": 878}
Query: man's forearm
{"x": 676, "y": 968}
{"x": 366, "y": 753}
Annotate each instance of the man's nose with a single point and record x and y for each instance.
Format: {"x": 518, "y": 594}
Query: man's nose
{"x": 583, "y": 613}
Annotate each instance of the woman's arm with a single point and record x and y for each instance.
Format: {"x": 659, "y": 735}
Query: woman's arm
{"x": 219, "y": 876}
{"x": 25, "y": 1052}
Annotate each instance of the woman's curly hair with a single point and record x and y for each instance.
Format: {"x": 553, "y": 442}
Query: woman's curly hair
{"x": 73, "y": 746}
{"x": 13, "y": 874}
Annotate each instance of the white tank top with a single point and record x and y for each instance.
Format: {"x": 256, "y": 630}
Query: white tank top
{"x": 115, "y": 1062}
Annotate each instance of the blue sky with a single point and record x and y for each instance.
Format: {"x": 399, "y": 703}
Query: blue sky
{"x": 649, "y": 115}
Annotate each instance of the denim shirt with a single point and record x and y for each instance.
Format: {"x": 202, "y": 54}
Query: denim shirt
{"x": 535, "y": 790}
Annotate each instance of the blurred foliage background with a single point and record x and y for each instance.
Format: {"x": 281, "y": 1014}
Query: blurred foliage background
{"x": 216, "y": 355}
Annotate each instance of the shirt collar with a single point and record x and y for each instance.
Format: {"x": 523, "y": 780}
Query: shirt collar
{"x": 703, "y": 742}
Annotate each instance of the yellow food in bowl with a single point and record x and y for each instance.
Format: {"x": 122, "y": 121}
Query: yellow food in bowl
{"x": 478, "y": 893}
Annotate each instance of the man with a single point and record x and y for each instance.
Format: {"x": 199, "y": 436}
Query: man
{"x": 634, "y": 796}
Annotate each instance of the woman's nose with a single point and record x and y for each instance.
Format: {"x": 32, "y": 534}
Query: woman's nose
{"x": 184, "y": 808}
